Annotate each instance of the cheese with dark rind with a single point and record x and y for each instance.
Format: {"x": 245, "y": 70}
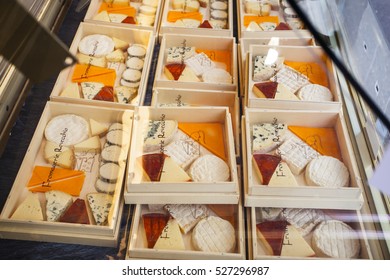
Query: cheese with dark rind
{"x": 266, "y": 165}
{"x": 153, "y": 164}
{"x": 271, "y": 233}
{"x": 76, "y": 213}
{"x": 265, "y": 89}
{"x": 174, "y": 71}
{"x": 154, "y": 224}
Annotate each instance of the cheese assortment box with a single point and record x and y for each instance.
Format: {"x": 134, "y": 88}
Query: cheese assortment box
{"x": 304, "y": 233}
{"x": 294, "y": 77}
{"x": 69, "y": 186}
{"x": 303, "y": 159}
{"x": 112, "y": 69}
{"x": 197, "y": 62}
{"x": 182, "y": 154}
{"x": 163, "y": 97}
{"x": 139, "y": 14}
{"x": 197, "y": 17}
{"x": 187, "y": 231}
{"x": 268, "y": 17}
{"x": 267, "y": 40}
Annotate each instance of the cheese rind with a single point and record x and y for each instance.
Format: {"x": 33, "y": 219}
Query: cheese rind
{"x": 213, "y": 234}
{"x": 209, "y": 169}
{"x": 30, "y": 209}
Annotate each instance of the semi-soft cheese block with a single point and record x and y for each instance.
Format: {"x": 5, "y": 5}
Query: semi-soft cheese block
{"x": 171, "y": 237}
{"x": 30, "y": 209}
{"x": 154, "y": 224}
{"x": 294, "y": 245}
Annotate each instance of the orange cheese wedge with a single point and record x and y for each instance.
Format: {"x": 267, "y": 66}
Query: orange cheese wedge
{"x": 174, "y": 16}
{"x": 322, "y": 139}
{"x": 260, "y": 19}
{"x": 219, "y": 56}
{"x": 118, "y": 9}
{"x": 314, "y": 71}
{"x": 209, "y": 135}
{"x": 46, "y": 178}
{"x": 90, "y": 73}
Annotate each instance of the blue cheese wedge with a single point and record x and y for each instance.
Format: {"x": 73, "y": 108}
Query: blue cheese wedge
{"x": 263, "y": 69}
{"x": 100, "y": 205}
{"x": 170, "y": 238}
{"x": 200, "y": 63}
{"x": 267, "y": 136}
{"x": 30, "y": 209}
{"x": 179, "y": 54}
{"x": 90, "y": 89}
{"x": 57, "y": 202}
{"x": 125, "y": 95}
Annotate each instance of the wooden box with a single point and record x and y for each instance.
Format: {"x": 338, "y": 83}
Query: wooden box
{"x": 352, "y": 218}
{"x": 302, "y": 195}
{"x": 86, "y": 161}
{"x": 314, "y": 61}
{"x": 96, "y": 6}
{"x": 222, "y": 51}
{"x": 138, "y": 248}
{"x": 245, "y": 16}
{"x": 184, "y": 148}
{"x": 163, "y": 97}
{"x": 169, "y": 26}
{"x": 132, "y": 36}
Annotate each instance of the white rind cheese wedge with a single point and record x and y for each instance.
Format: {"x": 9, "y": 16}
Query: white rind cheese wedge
{"x": 158, "y": 134}
{"x": 172, "y": 172}
{"x": 328, "y": 172}
{"x": 213, "y": 234}
{"x": 170, "y": 238}
{"x": 30, "y": 209}
{"x": 335, "y": 239}
{"x": 290, "y": 78}
{"x": 65, "y": 159}
{"x": 297, "y": 154}
{"x": 187, "y": 215}
{"x": 91, "y": 145}
{"x": 97, "y": 128}
{"x": 304, "y": 220}
{"x": 71, "y": 90}
{"x": 294, "y": 245}
{"x": 283, "y": 177}
{"x": 57, "y": 203}
{"x": 200, "y": 63}
{"x": 100, "y": 204}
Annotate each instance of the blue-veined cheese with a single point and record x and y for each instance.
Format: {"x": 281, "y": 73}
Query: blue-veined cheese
{"x": 267, "y": 136}
{"x": 90, "y": 89}
{"x": 57, "y": 202}
{"x": 100, "y": 205}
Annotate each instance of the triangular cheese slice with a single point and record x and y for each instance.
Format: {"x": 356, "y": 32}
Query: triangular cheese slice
{"x": 71, "y": 90}
{"x": 154, "y": 223}
{"x": 117, "y": 18}
{"x": 173, "y": 71}
{"x": 170, "y": 237}
{"x": 65, "y": 159}
{"x": 173, "y": 16}
{"x": 105, "y": 94}
{"x": 265, "y": 89}
{"x": 57, "y": 203}
{"x": 120, "y": 44}
{"x": 130, "y": 20}
{"x": 91, "y": 60}
{"x": 316, "y": 73}
{"x": 271, "y": 233}
{"x": 97, "y": 128}
{"x": 89, "y": 73}
{"x": 91, "y": 89}
{"x": 220, "y": 56}
{"x": 188, "y": 75}
{"x": 91, "y": 145}
{"x": 125, "y": 94}
{"x": 153, "y": 164}
{"x": 205, "y": 24}
{"x": 253, "y": 26}
{"x": 102, "y": 16}
{"x": 294, "y": 245}
{"x": 53, "y": 149}
{"x": 283, "y": 176}
{"x": 209, "y": 135}
{"x": 322, "y": 139}
{"x": 283, "y": 26}
{"x": 265, "y": 165}
{"x": 76, "y": 213}
{"x": 283, "y": 93}
{"x": 30, "y": 209}
{"x": 46, "y": 178}
{"x": 100, "y": 205}
{"x": 172, "y": 172}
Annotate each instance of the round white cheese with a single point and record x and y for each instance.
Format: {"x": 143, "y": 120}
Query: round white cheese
{"x": 67, "y": 130}
{"x": 214, "y": 234}
{"x": 335, "y": 239}
{"x": 217, "y": 76}
{"x": 327, "y": 171}
{"x": 96, "y": 45}
{"x": 314, "y": 92}
{"x": 208, "y": 169}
